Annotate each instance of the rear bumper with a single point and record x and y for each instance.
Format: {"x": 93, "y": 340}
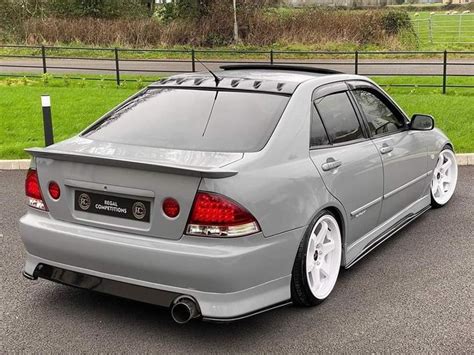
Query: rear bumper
{"x": 103, "y": 285}
{"x": 228, "y": 278}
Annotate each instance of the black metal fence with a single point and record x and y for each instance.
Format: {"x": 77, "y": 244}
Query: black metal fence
{"x": 117, "y": 61}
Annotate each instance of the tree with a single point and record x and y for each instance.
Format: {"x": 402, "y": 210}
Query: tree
{"x": 97, "y": 8}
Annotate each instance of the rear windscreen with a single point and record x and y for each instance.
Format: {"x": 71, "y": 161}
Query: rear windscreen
{"x": 205, "y": 120}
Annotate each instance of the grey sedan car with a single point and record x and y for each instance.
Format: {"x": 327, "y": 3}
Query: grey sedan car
{"x": 222, "y": 195}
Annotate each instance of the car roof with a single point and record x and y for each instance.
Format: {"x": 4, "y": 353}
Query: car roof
{"x": 282, "y": 79}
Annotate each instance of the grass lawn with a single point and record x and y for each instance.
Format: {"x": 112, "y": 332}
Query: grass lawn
{"x": 73, "y": 109}
{"x": 397, "y": 81}
{"x": 76, "y": 104}
{"x": 454, "y": 114}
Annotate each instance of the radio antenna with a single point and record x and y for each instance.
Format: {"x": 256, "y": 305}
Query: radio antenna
{"x": 216, "y": 78}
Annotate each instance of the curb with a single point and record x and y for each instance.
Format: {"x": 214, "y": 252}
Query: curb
{"x": 24, "y": 164}
{"x": 20, "y": 164}
{"x": 465, "y": 159}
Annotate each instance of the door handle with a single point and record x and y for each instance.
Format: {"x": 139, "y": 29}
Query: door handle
{"x": 331, "y": 164}
{"x": 386, "y": 149}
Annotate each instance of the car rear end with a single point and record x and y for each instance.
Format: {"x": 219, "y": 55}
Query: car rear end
{"x": 119, "y": 209}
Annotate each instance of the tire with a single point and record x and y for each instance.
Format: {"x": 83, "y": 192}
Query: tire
{"x": 324, "y": 237}
{"x": 444, "y": 179}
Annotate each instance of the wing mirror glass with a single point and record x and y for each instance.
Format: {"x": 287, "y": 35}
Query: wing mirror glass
{"x": 422, "y": 122}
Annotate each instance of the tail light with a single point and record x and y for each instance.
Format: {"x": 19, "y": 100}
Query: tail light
{"x": 33, "y": 191}
{"x": 215, "y": 215}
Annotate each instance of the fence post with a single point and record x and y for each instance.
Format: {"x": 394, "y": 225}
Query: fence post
{"x": 271, "y": 56}
{"x": 445, "y": 67}
{"x": 117, "y": 67}
{"x": 356, "y": 62}
{"x": 193, "y": 60}
{"x": 47, "y": 120}
{"x": 43, "y": 56}
{"x": 430, "y": 27}
{"x": 418, "y": 31}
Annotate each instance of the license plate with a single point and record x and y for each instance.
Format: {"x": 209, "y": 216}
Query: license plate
{"x": 109, "y": 205}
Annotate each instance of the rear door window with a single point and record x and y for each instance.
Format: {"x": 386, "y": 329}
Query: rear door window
{"x": 318, "y": 133}
{"x": 339, "y": 118}
{"x": 203, "y": 120}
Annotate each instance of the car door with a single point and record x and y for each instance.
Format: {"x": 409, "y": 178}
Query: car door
{"x": 346, "y": 159}
{"x": 403, "y": 152}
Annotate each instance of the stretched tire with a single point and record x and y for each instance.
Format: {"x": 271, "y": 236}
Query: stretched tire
{"x": 317, "y": 262}
{"x": 444, "y": 179}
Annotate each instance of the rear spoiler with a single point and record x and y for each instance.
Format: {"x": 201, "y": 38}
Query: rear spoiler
{"x": 214, "y": 173}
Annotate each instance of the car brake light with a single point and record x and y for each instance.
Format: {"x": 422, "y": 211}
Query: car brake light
{"x": 214, "y": 215}
{"x": 33, "y": 191}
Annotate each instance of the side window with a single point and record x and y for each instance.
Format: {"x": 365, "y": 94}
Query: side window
{"x": 380, "y": 118}
{"x": 318, "y": 133}
{"x": 339, "y": 118}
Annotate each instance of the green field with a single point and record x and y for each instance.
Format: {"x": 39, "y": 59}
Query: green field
{"x": 439, "y": 28}
{"x": 75, "y": 104}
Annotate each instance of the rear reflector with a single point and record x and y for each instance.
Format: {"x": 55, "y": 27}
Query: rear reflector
{"x": 54, "y": 190}
{"x": 171, "y": 207}
{"x": 33, "y": 191}
{"x": 215, "y": 215}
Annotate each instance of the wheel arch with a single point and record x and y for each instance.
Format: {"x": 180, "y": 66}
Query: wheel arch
{"x": 342, "y": 224}
{"x": 450, "y": 145}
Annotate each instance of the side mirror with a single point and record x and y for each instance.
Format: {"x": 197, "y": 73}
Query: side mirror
{"x": 421, "y": 122}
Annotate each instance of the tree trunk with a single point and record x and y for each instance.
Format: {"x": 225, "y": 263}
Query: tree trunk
{"x": 236, "y": 26}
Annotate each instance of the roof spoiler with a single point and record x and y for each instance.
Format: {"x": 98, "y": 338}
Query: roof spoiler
{"x": 214, "y": 173}
{"x": 301, "y": 68}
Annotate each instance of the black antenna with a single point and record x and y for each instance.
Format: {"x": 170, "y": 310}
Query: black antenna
{"x": 216, "y": 78}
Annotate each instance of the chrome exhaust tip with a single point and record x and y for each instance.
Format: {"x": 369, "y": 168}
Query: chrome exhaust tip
{"x": 28, "y": 276}
{"x": 184, "y": 309}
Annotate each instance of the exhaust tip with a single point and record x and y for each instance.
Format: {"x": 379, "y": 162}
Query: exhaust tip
{"x": 28, "y": 276}
{"x": 183, "y": 310}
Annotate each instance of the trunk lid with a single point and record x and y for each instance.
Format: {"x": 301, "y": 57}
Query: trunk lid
{"x": 115, "y": 180}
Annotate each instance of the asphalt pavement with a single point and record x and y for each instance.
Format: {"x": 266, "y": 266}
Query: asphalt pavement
{"x": 412, "y": 294}
{"x": 403, "y": 66}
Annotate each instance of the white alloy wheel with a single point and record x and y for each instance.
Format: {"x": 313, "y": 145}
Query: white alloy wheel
{"x": 445, "y": 176}
{"x": 323, "y": 256}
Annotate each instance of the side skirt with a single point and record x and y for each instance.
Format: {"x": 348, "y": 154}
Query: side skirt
{"x": 390, "y": 232}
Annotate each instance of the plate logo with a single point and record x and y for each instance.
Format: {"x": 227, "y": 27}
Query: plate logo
{"x": 139, "y": 210}
{"x": 84, "y": 201}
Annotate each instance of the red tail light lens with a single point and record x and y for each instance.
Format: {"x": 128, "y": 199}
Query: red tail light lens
{"x": 33, "y": 191}
{"x": 215, "y": 215}
{"x": 171, "y": 207}
{"x": 54, "y": 190}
